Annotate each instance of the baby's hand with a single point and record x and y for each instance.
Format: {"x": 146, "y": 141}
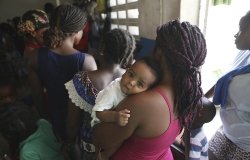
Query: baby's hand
{"x": 123, "y": 117}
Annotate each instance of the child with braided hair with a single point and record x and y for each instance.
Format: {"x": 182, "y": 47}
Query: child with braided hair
{"x": 118, "y": 49}
{"x": 55, "y": 64}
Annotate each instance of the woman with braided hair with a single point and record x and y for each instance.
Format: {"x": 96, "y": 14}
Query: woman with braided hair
{"x": 158, "y": 114}
{"x": 55, "y": 64}
{"x": 118, "y": 49}
{"x": 31, "y": 28}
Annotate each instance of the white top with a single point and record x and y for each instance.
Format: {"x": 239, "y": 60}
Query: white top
{"x": 242, "y": 59}
{"x": 107, "y": 99}
{"x": 235, "y": 115}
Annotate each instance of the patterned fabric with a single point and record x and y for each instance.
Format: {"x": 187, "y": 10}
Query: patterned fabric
{"x": 32, "y": 21}
{"x": 224, "y": 149}
{"x": 82, "y": 93}
{"x": 198, "y": 145}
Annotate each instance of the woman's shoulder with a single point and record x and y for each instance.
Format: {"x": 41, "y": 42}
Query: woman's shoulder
{"x": 153, "y": 97}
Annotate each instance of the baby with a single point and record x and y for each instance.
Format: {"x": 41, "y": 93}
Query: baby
{"x": 142, "y": 75}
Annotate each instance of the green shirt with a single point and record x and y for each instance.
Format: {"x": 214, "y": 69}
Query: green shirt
{"x": 42, "y": 144}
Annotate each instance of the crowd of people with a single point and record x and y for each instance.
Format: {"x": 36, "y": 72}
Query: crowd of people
{"x": 58, "y": 101}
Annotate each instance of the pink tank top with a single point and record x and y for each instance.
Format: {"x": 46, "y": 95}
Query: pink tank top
{"x": 157, "y": 148}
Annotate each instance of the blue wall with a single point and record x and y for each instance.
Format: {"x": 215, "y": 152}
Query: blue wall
{"x": 147, "y": 47}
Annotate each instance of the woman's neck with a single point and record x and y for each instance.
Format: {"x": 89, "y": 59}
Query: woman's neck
{"x": 65, "y": 49}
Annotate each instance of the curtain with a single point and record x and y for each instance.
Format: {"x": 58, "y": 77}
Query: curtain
{"x": 217, "y": 2}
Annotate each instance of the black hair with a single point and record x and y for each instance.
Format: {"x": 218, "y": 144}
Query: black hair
{"x": 184, "y": 48}
{"x": 245, "y": 21}
{"x": 65, "y": 20}
{"x": 48, "y": 7}
{"x": 16, "y": 121}
{"x": 155, "y": 69}
{"x": 119, "y": 46}
{"x": 205, "y": 113}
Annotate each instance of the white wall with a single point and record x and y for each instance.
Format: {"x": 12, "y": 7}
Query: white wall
{"x": 190, "y": 11}
{"x": 155, "y": 13}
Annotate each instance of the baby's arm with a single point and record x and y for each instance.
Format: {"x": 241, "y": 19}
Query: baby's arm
{"x": 120, "y": 117}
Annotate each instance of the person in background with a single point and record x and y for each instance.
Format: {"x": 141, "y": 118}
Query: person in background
{"x": 56, "y": 64}
{"x": 195, "y": 140}
{"x": 118, "y": 47}
{"x": 31, "y": 27}
{"x": 243, "y": 57}
{"x": 231, "y": 93}
{"x": 35, "y": 136}
{"x": 158, "y": 114}
{"x": 49, "y": 8}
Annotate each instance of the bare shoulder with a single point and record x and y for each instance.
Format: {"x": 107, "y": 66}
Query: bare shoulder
{"x": 145, "y": 102}
{"x": 89, "y": 63}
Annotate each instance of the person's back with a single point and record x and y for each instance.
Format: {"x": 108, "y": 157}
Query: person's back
{"x": 59, "y": 61}
{"x": 83, "y": 88}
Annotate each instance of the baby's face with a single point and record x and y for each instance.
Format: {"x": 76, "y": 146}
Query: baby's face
{"x": 137, "y": 79}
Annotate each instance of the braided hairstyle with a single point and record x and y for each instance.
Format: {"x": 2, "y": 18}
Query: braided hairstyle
{"x": 119, "y": 46}
{"x": 184, "y": 48}
{"x": 245, "y": 21}
{"x": 65, "y": 20}
{"x": 16, "y": 121}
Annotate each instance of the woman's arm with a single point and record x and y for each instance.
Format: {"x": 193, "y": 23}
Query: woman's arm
{"x": 118, "y": 117}
{"x": 73, "y": 124}
{"x": 117, "y": 134}
{"x": 37, "y": 89}
{"x": 149, "y": 117}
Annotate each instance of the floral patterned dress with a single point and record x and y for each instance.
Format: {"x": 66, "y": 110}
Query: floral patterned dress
{"x": 83, "y": 94}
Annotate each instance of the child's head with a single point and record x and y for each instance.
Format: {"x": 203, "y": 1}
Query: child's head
{"x": 142, "y": 75}
{"x": 205, "y": 113}
{"x": 66, "y": 21}
{"x": 119, "y": 46}
{"x": 17, "y": 121}
{"x": 242, "y": 38}
{"x": 33, "y": 24}
{"x": 7, "y": 91}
